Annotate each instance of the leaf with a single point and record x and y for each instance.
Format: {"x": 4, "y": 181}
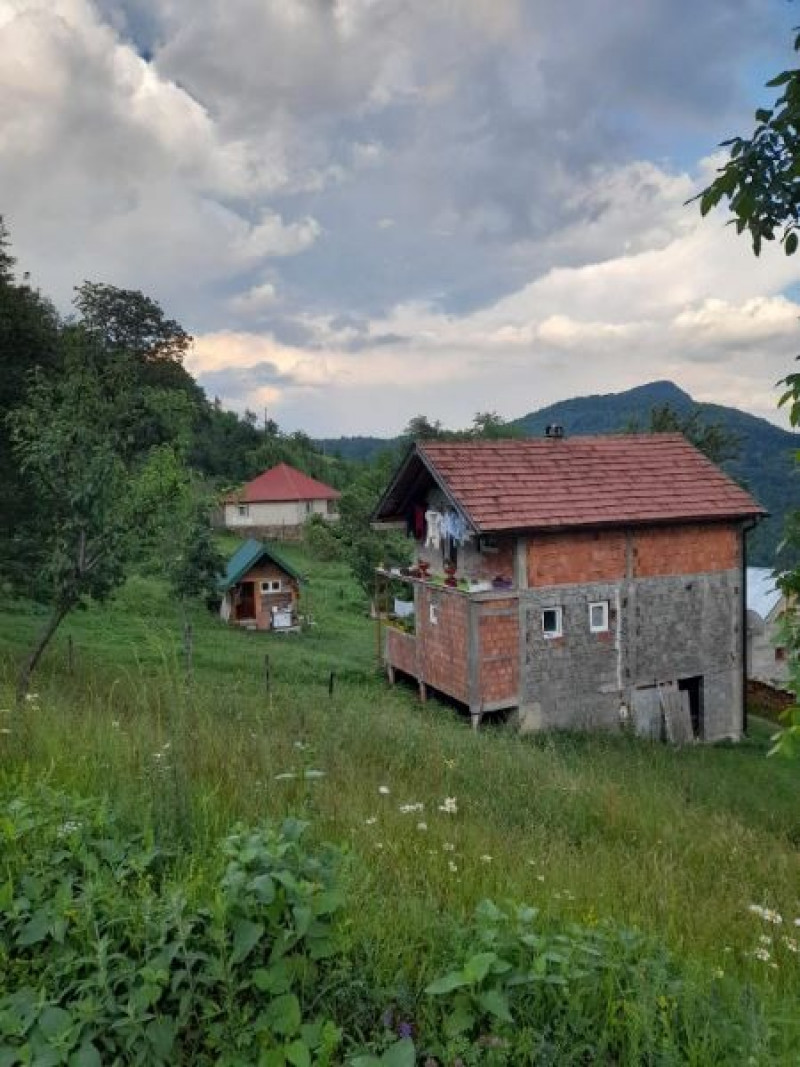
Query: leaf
{"x": 447, "y": 983}
{"x": 478, "y": 966}
{"x": 401, "y": 1054}
{"x": 161, "y": 1035}
{"x": 86, "y": 1056}
{"x": 282, "y": 1014}
{"x": 790, "y": 244}
{"x": 460, "y": 1019}
{"x": 54, "y": 1022}
{"x": 763, "y": 114}
{"x": 496, "y": 1003}
{"x": 246, "y": 936}
{"x": 36, "y": 929}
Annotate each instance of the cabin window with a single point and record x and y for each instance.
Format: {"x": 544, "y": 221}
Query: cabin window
{"x": 780, "y": 654}
{"x": 243, "y": 509}
{"x": 598, "y": 617}
{"x": 272, "y": 586}
{"x": 552, "y": 622}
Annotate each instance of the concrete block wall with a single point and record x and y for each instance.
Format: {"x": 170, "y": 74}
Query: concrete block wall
{"x": 675, "y": 600}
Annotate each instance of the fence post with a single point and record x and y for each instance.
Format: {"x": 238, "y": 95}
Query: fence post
{"x": 330, "y": 683}
{"x": 266, "y": 673}
{"x": 188, "y": 647}
{"x": 70, "y": 655}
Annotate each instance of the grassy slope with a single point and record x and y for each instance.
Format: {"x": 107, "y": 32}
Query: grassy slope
{"x": 677, "y": 843}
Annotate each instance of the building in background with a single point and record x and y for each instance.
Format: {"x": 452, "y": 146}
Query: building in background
{"x": 277, "y": 504}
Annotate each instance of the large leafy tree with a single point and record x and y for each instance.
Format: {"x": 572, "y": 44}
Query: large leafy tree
{"x": 29, "y": 340}
{"x": 711, "y": 438}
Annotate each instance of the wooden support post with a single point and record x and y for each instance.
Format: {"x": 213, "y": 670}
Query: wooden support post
{"x": 423, "y": 692}
{"x": 70, "y": 655}
{"x": 330, "y": 684}
{"x": 266, "y": 673}
{"x": 378, "y": 642}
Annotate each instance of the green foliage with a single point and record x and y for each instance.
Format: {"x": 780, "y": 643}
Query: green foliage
{"x": 323, "y": 539}
{"x": 196, "y": 569}
{"x": 524, "y": 993}
{"x": 713, "y": 439}
{"x": 110, "y": 957}
{"x": 759, "y": 181}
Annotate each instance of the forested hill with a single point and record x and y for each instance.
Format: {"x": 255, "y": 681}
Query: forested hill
{"x": 765, "y": 464}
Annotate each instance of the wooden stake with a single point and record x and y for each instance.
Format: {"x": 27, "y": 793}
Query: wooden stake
{"x": 70, "y": 655}
{"x": 330, "y": 684}
{"x": 266, "y": 673}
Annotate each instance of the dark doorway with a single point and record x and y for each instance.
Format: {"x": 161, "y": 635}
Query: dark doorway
{"x": 694, "y": 687}
{"x": 246, "y": 606}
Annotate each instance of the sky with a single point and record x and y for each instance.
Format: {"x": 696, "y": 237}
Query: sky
{"x": 364, "y": 210}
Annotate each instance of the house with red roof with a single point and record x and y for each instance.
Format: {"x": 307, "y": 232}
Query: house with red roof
{"x": 583, "y": 582}
{"x": 277, "y": 504}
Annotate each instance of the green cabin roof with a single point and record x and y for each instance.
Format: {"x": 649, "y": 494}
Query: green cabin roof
{"x": 246, "y": 557}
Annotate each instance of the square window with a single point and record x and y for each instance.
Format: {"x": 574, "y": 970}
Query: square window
{"x": 552, "y": 622}
{"x": 272, "y": 586}
{"x": 244, "y": 509}
{"x": 598, "y": 617}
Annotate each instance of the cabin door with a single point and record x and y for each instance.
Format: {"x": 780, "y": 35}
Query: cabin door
{"x": 246, "y": 606}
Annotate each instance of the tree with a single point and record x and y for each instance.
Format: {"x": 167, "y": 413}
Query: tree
{"x": 195, "y": 571}
{"x": 712, "y": 439}
{"x": 102, "y": 499}
{"x": 489, "y": 426}
{"x": 761, "y": 183}
{"x": 761, "y": 179}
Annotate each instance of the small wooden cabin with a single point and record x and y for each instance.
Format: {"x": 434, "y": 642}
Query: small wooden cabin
{"x": 260, "y": 591}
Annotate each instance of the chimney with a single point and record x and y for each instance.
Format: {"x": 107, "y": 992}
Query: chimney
{"x": 553, "y": 430}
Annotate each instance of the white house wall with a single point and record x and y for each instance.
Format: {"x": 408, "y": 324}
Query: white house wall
{"x": 279, "y": 513}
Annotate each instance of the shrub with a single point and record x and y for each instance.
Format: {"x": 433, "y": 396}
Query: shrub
{"x": 322, "y": 540}
{"x": 104, "y": 958}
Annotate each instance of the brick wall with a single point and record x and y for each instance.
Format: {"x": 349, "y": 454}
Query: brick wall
{"x": 444, "y": 644}
{"x": 692, "y": 549}
{"x": 602, "y": 555}
{"x": 498, "y": 651}
{"x": 570, "y": 558}
{"x": 401, "y": 650}
{"x": 264, "y": 602}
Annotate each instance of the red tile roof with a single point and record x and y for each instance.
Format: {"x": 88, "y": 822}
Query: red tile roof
{"x": 584, "y": 481}
{"x": 284, "y": 483}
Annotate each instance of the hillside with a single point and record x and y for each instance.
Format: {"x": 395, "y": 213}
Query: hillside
{"x": 765, "y": 465}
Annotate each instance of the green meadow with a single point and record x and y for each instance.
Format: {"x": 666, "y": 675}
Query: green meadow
{"x": 694, "y": 850}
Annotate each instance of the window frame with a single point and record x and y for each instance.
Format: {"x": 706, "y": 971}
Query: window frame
{"x": 605, "y": 627}
{"x": 271, "y": 585}
{"x": 550, "y": 635}
{"x": 243, "y": 510}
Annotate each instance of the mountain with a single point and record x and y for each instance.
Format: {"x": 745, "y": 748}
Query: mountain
{"x": 765, "y": 465}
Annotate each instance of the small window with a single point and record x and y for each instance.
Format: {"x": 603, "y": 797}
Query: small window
{"x": 272, "y": 586}
{"x": 331, "y": 507}
{"x": 780, "y": 654}
{"x": 552, "y": 622}
{"x": 244, "y": 509}
{"x": 309, "y": 507}
{"x": 433, "y": 614}
{"x": 598, "y": 617}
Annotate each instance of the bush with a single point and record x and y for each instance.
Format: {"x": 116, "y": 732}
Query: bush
{"x": 322, "y": 540}
{"x": 104, "y": 958}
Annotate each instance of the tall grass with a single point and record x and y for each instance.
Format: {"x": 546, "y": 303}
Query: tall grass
{"x": 677, "y": 843}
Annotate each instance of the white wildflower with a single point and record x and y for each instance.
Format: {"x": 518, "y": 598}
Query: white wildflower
{"x": 4, "y": 730}
{"x": 285, "y": 777}
{"x": 791, "y": 944}
{"x": 422, "y": 826}
{"x": 384, "y": 790}
{"x": 485, "y": 858}
{"x": 452, "y": 866}
{"x": 761, "y": 954}
{"x": 68, "y": 827}
{"x": 449, "y": 806}
{"x": 448, "y": 847}
{"x": 371, "y": 820}
{"x": 115, "y": 723}
{"x": 767, "y": 914}
{"x": 539, "y": 877}
{"x": 379, "y": 844}
{"x": 407, "y": 809}
{"x": 765, "y": 939}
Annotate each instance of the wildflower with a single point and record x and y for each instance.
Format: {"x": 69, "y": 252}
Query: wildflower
{"x": 452, "y": 866}
{"x": 379, "y": 844}
{"x": 767, "y": 914}
{"x": 486, "y": 858}
{"x": 405, "y": 1029}
{"x": 68, "y": 827}
{"x": 765, "y": 940}
{"x": 384, "y": 790}
{"x": 406, "y": 809}
{"x": 449, "y": 763}
{"x": 791, "y": 944}
{"x": 761, "y": 954}
{"x": 4, "y": 730}
{"x": 539, "y": 877}
{"x": 115, "y": 723}
{"x": 797, "y": 922}
{"x": 371, "y": 820}
{"x": 422, "y": 826}
{"x": 449, "y": 806}
{"x": 718, "y": 972}
{"x": 448, "y": 847}
{"x": 285, "y": 776}
{"x": 301, "y": 745}
{"x": 31, "y": 697}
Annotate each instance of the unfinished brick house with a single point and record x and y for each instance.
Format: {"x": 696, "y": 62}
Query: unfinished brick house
{"x": 573, "y": 579}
